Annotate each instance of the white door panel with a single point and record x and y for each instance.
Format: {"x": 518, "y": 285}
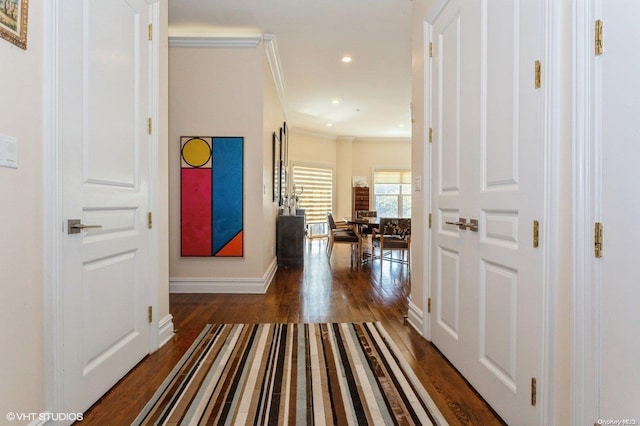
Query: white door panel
{"x": 104, "y": 162}
{"x": 488, "y": 164}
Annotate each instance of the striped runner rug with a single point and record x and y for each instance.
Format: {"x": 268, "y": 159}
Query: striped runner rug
{"x": 280, "y": 374}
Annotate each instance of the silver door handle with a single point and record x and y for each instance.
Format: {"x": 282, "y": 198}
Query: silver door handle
{"x": 74, "y": 226}
{"x": 461, "y": 223}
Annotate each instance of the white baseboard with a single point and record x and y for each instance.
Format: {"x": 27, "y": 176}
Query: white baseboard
{"x": 224, "y": 285}
{"x": 165, "y": 330}
{"x": 416, "y": 317}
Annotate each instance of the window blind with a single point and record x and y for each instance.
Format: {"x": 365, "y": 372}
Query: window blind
{"x": 392, "y": 176}
{"x": 317, "y": 197}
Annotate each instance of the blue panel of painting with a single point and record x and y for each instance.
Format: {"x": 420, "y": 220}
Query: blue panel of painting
{"x": 227, "y": 209}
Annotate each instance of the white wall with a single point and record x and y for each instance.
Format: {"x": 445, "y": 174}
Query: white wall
{"x": 219, "y": 92}
{"x": 349, "y": 157}
{"x": 21, "y": 225}
{"x": 273, "y": 120}
{"x": 370, "y": 154}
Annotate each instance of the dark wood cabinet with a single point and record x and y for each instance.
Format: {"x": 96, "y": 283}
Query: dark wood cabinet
{"x": 360, "y": 199}
{"x": 290, "y": 240}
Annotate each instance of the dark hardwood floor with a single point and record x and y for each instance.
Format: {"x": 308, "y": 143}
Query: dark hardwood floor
{"x": 322, "y": 291}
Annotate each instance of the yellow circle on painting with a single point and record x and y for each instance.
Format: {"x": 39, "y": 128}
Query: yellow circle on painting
{"x": 196, "y": 152}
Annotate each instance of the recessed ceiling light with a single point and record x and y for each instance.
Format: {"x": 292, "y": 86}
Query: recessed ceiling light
{"x": 335, "y": 101}
{"x": 346, "y": 59}
{"x": 329, "y": 124}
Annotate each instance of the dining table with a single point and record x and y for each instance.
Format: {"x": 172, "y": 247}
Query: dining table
{"x": 359, "y": 223}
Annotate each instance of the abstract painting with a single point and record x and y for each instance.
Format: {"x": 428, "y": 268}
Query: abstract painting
{"x": 211, "y": 196}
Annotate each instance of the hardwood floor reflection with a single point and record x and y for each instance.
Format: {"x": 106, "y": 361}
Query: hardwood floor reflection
{"x": 322, "y": 291}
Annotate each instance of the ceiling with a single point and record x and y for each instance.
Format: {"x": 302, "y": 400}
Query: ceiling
{"x": 373, "y": 91}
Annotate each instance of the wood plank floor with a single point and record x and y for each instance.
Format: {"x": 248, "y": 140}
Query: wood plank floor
{"x": 322, "y": 291}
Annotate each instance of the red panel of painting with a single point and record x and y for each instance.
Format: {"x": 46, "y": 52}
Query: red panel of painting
{"x": 195, "y": 212}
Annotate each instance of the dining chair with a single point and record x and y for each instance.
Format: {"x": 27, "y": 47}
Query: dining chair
{"x": 366, "y": 229}
{"x": 343, "y": 236}
{"x": 393, "y": 234}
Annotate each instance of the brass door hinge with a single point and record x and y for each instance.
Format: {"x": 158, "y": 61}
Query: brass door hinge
{"x": 538, "y": 78}
{"x": 430, "y": 49}
{"x": 150, "y": 314}
{"x": 430, "y": 134}
{"x": 599, "y": 37}
{"x": 534, "y": 391}
{"x": 597, "y": 238}
{"x": 150, "y": 31}
{"x": 429, "y": 305}
{"x": 430, "y": 220}
{"x": 150, "y": 220}
{"x": 149, "y": 125}
{"x": 536, "y": 234}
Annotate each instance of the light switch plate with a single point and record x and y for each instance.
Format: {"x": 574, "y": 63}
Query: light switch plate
{"x": 8, "y": 151}
{"x": 417, "y": 183}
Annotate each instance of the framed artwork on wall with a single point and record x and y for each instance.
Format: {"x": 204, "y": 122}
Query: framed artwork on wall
{"x": 284, "y": 162}
{"x": 211, "y": 196}
{"x": 13, "y": 21}
{"x": 275, "y": 157}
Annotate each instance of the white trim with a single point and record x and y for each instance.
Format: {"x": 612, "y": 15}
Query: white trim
{"x": 380, "y": 139}
{"x": 38, "y": 422}
{"x": 273, "y": 58}
{"x": 51, "y": 210}
{"x": 221, "y": 42}
{"x": 436, "y": 10}
{"x": 165, "y": 330}
{"x": 415, "y": 316}
{"x": 553, "y": 127}
{"x": 585, "y": 306}
{"x": 427, "y": 95}
{"x": 224, "y": 285}
{"x": 154, "y": 176}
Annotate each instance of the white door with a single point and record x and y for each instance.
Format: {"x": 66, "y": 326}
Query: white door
{"x": 104, "y": 106}
{"x": 618, "y": 270}
{"x": 487, "y": 157}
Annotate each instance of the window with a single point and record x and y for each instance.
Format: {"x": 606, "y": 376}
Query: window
{"x": 392, "y": 193}
{"x": 317, "y": 197}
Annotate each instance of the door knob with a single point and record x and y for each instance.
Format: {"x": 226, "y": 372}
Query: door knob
{"x": 74, "y": 226}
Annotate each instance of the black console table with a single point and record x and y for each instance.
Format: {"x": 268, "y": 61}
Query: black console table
{"x": 290, "y": 240}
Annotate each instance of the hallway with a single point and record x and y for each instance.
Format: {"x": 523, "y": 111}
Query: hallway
{"x": 322, "y": 291}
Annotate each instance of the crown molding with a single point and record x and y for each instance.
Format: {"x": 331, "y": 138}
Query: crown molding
{"x": 273, "y": 58}
{"x": 248, "y": 41}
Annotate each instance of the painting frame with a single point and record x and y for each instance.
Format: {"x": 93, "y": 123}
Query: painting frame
{"x": 284, "y": 162}
{"x": 13, "y": 22}
{"x": 275, "y": 158}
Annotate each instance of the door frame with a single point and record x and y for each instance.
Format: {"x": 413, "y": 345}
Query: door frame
{"x": 52, "y": 199}
{"x": 554, "y": 131}
{"x": 585, "y": 187}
